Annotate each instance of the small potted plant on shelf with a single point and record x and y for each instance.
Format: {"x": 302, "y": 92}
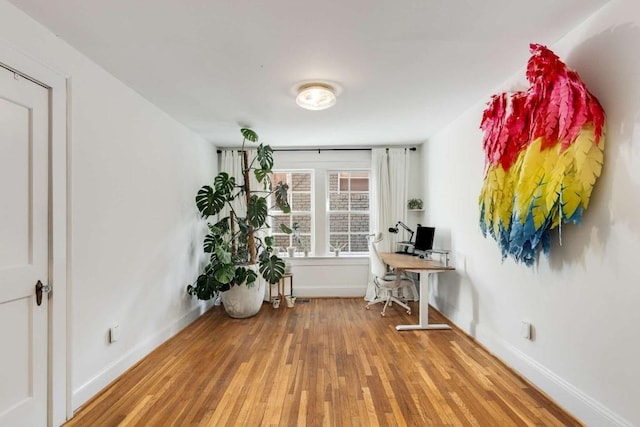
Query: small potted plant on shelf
{"x": 337, "y": 247}
{"x": 415, "y": 204}
{"x": 237, "y": 247}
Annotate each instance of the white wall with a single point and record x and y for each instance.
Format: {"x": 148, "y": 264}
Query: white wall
{"x": 582, "y": 301}
{"x": 344, "y": 276}
{"x": 134, "y": 230}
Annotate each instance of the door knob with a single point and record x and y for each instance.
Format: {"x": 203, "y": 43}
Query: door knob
{"x": 40, "y": 288}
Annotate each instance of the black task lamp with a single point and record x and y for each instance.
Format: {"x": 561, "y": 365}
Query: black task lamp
{"x": 403, "y": 225}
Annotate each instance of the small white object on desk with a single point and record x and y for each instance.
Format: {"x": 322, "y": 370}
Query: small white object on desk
{"x": 440, "y": 252}
{"x": 405, "y": 247}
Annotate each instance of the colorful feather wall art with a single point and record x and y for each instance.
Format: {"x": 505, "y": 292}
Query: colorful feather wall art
{"x": 544, "y": 149}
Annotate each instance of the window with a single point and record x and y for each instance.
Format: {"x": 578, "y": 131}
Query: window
{"x": 308, "y": 175}
{"x": 348, "y": 210}
{"x": 300, "y": 200}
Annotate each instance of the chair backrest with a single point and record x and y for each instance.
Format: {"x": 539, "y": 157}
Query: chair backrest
{"x": 378, "y": 268}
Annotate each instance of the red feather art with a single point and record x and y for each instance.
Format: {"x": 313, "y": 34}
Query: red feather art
{"x": 544, "y": 149}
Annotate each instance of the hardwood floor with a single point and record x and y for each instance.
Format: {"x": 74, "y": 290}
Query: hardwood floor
{"x": 326, "y": 362}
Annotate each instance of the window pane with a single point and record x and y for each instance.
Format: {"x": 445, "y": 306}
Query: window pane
{"x": 359, "y": 181}
{"x": 305, "y": 242}
{"x": 359, "y": 243}
{"x": 333, "y": 182}
{"x": 337, "y": 240}
{"x": 300, "y": 181}
{"x": 344, "y": 181}
{"x": 280, "y": 219}
{"x": 282, "y": 240}
{"x": 339, "y": 201}
{"x": 338, "y": 223}
{"x": 348, "y": 210}
{"x": 299, "y": 197}
{"x": 359, "y": 223}
{"x": 277, "y": 177}
{"x": 360, "y": 201}
{"x": 304, "y": 222}
{"x": 301, "y": 202}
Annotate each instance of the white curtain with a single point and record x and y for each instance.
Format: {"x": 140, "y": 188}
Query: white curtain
{"x": 231, "y": 163}
{"x": 390, "y": 179}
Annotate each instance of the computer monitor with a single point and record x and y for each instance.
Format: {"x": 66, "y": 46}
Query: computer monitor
{"x": 424, "y": 239}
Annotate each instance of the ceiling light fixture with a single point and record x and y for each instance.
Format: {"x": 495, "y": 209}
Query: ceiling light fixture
{"x": 316, "y": 96}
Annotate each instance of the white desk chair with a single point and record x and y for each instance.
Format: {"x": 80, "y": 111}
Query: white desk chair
{"x": 386, "y": 282}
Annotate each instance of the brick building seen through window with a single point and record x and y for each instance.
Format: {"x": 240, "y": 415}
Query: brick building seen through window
{"x": 346, "y": 208}
{"x": 300, "y": 198}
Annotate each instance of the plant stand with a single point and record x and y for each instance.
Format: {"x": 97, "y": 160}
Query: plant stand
{"x": 282, "y": 287}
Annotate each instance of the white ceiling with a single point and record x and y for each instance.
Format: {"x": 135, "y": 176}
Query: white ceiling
{"x": 406, "y": 68}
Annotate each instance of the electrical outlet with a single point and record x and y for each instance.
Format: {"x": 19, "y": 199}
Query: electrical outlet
{"x": 114, "y": 333}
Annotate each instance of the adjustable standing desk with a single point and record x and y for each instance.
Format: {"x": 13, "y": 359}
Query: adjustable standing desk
{"x": 426, "y": 267}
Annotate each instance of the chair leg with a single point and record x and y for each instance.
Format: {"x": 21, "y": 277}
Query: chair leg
{"x": 388, "y": 301}
{"x": 383, "y": 313}
{"x": 374, "y": 302}
{"x": 399, "y": 302}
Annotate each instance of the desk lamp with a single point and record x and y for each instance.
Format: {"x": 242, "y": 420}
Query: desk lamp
{"x": 403, "y": 225}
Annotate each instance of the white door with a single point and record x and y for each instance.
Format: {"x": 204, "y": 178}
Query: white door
{"x": 24, "y": 177}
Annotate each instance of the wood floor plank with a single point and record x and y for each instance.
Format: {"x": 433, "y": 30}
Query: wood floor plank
{"x": 325, "y": 362}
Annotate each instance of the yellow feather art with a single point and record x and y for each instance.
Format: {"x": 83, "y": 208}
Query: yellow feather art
{"x": 544, "y": 151}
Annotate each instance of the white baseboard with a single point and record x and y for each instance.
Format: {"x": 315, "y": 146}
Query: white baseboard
{"x": 329, "y": 292}
{"x": 588, "y": 410}
{"x": 92, "y": 387}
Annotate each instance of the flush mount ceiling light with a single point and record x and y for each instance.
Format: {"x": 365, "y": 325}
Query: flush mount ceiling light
{"x": 316, "y": 96}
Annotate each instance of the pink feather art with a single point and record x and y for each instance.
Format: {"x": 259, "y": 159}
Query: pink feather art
{"x": 544, "y": 150}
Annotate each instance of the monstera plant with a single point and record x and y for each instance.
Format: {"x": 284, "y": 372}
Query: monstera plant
{"x": 237, "y": 243}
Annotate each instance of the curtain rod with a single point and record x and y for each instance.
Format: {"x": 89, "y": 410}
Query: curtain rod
{"x": 330, "y": 149}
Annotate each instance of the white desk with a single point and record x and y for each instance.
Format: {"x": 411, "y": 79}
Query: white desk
{"x": 425, "y": 267}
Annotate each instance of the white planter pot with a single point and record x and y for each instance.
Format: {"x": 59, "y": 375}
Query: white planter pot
{"x": 243, "y": 301}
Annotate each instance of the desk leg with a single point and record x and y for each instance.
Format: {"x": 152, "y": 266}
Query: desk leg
{"x": 424, "y": 308}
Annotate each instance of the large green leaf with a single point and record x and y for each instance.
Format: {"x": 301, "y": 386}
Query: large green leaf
{"x": 209, "y": 202}
{"x": 224, "y": 273}
{"x": 272, "y": 269}
{"x": 201, "y": 288}
{"x": 261, "y": 174}
{"x": 220, "y": 227}
{"x": 212, "y": 284}
{"x": 210, "y": 242}
{"x": 264, "y": 155}
{"x": 243, "y": 275}
{"x": 249, "y": 135}
{"x": 242, "y": 226}
{"x": 224, "y": 183}
{"x": 251, "y": 278}
{"x": 281, "y": 197}
{"x": 223, "y": 255}
{"x": 285, "y": 229}
{"x": 257, "y": 211}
